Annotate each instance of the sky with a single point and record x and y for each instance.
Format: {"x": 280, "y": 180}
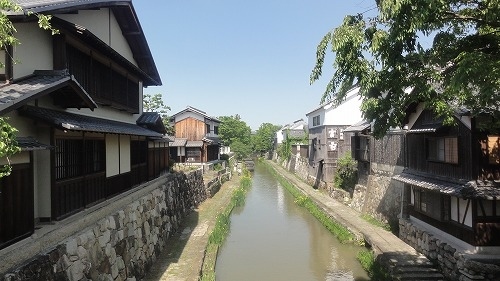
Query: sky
{"x": 252, "y": 58}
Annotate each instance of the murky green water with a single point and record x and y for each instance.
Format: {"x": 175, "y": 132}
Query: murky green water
{"x": 274, "y": 239}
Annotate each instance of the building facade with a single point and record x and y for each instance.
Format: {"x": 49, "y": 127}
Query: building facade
{"x": 76, "y": 100}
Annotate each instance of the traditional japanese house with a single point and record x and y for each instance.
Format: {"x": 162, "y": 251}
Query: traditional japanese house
{"x": 75, "y": 99}
{"x": 196, "y": 136}
{"x": 452, "y": 179}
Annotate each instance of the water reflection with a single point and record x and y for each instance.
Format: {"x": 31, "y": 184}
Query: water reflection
{"x": 273, "y": 239}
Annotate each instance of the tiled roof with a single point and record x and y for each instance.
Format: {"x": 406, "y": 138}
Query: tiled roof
{"x": 30, "y": 144}
{"x": 76, "y": 122}
{"x": 462, "y": 189}
{"x": 152, "y": 121}
{"x": 62, "y": 86}
{"x": 125, "y": 15}
{"x": 296, "y": 133}
{"x": 194, "y": 144}
{"x": 358, "y": 127}
{"x": 426, "y": 128}
{"x": 178, "y": 142}
{"x": 211, "y": 140}
{"x": 197, "y": 111}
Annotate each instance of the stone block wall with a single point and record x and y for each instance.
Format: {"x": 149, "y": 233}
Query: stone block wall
{"x": 122, "y": 244}
{"x": 380, "y": 198}
{"x": 213, "y": 185}
{"x": 454, "y": 264}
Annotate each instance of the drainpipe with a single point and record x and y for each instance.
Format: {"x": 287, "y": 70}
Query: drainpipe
{"x": 403, "y": 212}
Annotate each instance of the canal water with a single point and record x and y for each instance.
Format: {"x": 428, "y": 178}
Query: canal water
{"x": 272, "y": 238}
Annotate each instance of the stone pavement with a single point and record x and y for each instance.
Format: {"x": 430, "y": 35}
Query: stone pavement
{"x": 402, "y": 261}
{"x": 183, "y": 257}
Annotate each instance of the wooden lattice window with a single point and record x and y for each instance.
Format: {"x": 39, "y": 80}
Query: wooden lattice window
{"x": 75, "y": 157}
{"x": 68, "y": 158}
{"x": 95, "y": 156}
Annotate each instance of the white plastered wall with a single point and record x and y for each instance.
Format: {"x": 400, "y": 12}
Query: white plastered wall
{"x": 112, "y": 155}
{"x": 102, "y": 23}
{"x": 31, "y": 56}
{"x": 124, "y": 154}
{"x": 458, "y": 211}
{"x": 188, "y": 114}
{"x": 117, "y": 154}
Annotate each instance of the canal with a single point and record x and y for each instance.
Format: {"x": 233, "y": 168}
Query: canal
{"x": 272, "y": 238}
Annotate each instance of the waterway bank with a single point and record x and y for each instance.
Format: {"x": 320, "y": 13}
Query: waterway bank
{"x": 399, "y": 259}
{"x": 183, "y": 259}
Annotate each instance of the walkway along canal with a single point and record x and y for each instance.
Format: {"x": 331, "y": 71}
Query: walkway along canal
{"x": 272, "y": 238}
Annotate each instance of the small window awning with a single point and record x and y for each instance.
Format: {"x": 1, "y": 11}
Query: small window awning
{"x": 194, "y": 144}
{"x": 468, "y": 190}
{"x": 358, "y": 127}
{"x": 178, "y": 142}
{"x": 211, "y": 140}
{"x": 59, "y": 84}
{"x": 152, "y": 121}
{"x": 75, "y": 122}
{"x": 426, "y": 128}
{"x": 31, "y": 144}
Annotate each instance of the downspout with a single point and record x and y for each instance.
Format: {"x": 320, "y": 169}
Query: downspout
{"x": 403, "y": 214}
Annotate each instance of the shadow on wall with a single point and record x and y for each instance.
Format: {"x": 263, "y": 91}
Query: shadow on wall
{"x": 319, "y": 175}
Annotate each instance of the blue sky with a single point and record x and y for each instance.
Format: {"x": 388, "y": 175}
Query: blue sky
{"x": 251, "y": 58}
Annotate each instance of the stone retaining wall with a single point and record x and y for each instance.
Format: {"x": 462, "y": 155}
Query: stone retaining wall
{"x": 454, "y": 264}
{"x": 215, "y": 184}
{"x": 380, "y": 198}
{"x": 119, "y": 245}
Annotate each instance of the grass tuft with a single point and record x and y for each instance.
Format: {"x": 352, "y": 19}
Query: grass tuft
{"x": 367, "y": 260}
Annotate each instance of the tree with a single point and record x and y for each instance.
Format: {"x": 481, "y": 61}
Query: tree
{"x": 8, "y": 143}
{"x": 236, "y": 134}
{"x": 154, "y": 103}
{"x": 263, "y": 139}
{"x": 387, "y": 56}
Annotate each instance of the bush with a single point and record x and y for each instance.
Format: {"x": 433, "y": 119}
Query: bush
{"x": 217, "y": 167}
{"x": 346, "y": 176}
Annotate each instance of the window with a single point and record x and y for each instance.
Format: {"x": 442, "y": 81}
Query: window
{"x": 316, "y": 121}
{"x": 443, "y": 149}
{"x": 95, "y": 156}
{"x": 193, "y": 154}
{"x": 138, "y": 152}
{"x": 493, "y": 150}
{"x": 207, "y": 126}
{"x": 427, "y": 203}
{"x": 74, "y": 157}
{"x": 68, "y": 158}
{"x": 216, "y": 130}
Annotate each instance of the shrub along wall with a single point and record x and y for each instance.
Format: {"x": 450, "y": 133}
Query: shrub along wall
{"x": 116, "y": 244}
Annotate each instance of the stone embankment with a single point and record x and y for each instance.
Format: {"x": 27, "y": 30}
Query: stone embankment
{"x": 117, "y": 240}
{"x": 401, "y": 260}
{"x": 453, "y": 263}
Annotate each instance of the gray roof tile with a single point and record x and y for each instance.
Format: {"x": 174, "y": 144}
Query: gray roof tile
{"x": 19, "y": 92}
{"x": 76, "y": 122}
{"x": 461, "y": 189}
